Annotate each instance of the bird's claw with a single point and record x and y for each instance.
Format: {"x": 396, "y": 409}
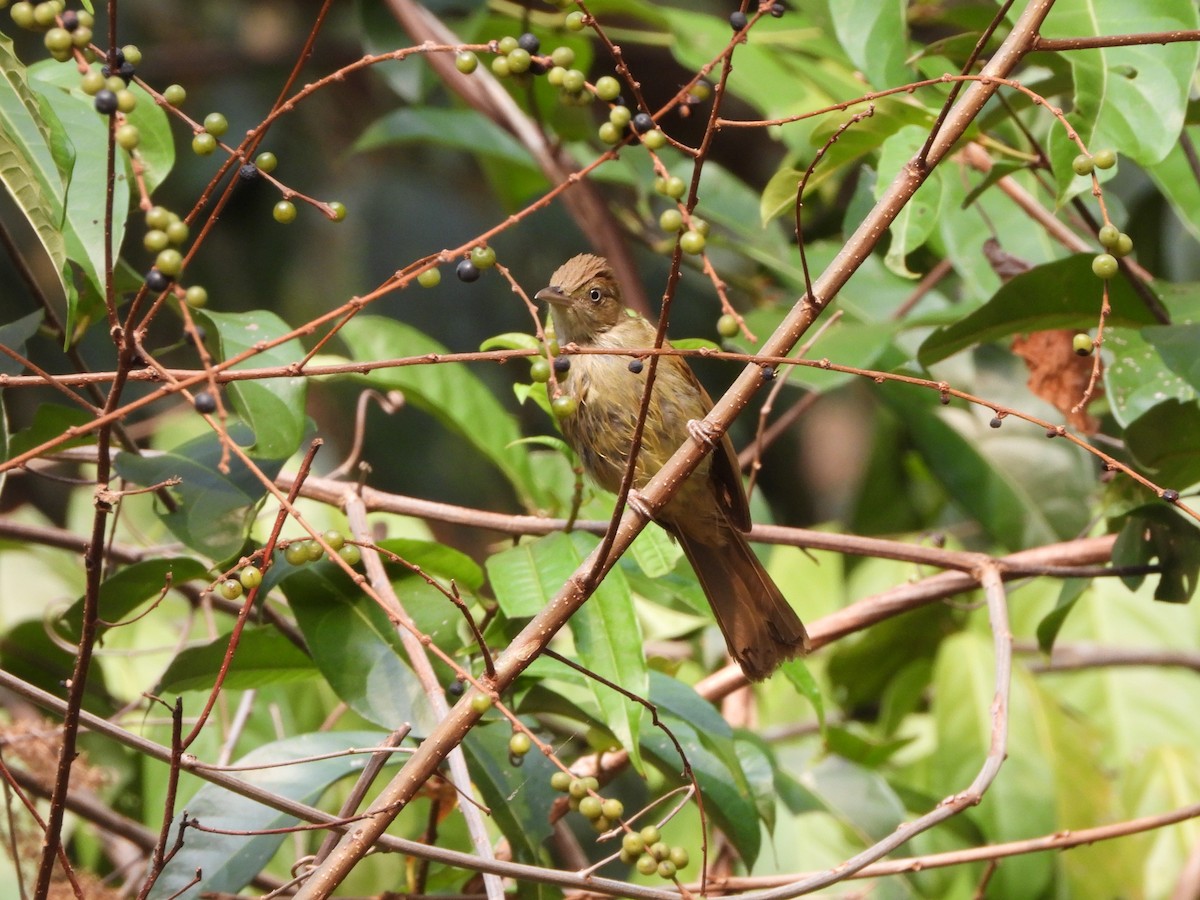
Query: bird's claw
{"x": 635, "y": 501}
{"x": 703, "y": 433}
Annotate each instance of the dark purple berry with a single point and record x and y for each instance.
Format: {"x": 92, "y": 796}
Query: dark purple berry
{"x": 643, "y": 123}
{"x": 248, "y": 172}
{"x": 70, "y": 20}
{"x": 529, "y": 42}
{"x": 156, "y": 281}
{"x": 117, "y": 57}
{"x": 455, "y": 688}
{"x": 768, "y": 373}
{"x": 126, "y": 71}
{"x": 537, "y": 67}
{"x": 562, "y": 364}
{"x": 636, "y": 366}
{"x": 467, "y": 271}
{"x": 737, "y": 20}
{"x": 105, "y": 102}
{"x": 205, "y": 402}
{"x": 996, "y": 422}
{"x": 1171, "y": 495}
{"x": 777, "y": 10}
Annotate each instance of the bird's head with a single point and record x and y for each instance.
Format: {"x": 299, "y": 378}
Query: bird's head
{"x": 584, "y": 299}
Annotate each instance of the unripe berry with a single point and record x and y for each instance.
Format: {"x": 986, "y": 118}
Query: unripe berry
{"x": 574, "y": 21}
{"x": 284, "y": 212}
{"x": 351, "y": 555}
{"x": 608, "y": 88}
{"x": 126, "y": 101}
{"x": 1104, "y": 159}
{"x": 1108, "y": 235}
{"x": 92, "y": 83}
{"x": 169, "y": 262}
{"x": 563, "y": 406}
{"x": 560, "y": 781}
{"x": 1082, "y": 344}
{"x": 564, "y": 57}
{"x": 574, "y": 80}
{"x": 609, "y": 133}
{"x": 654, "y": 140}
{"x": 155, "y": 240}
{"x": 539, "y": 370}
{"x": 727, "y": 326}
{"x": 1082, "y": 164}
{"x": 518, "y": 61}
{"x": 481, "y": 703}
{"x": 620, "y": 116}
{"x": 250, "y": 577}
{"x": 508, "y": 44}
{"x": 337, "y": 211}
{"x": 430, "y": 278}
{"x": 466, "y": 62}
{"x": 692, "y": 242}
{"x": 175, "y": 94}
{"x": 204, "y": 144}
{"x": 589, "y": 807}
{"x": 128, "y": 136}
{"x": 1105, "y": 266}
{"x": 295, "y": 553}
{"x": 671, "y": 220}
{"x": 177, "y": 232}
{"x": 216, "y": 124}
{"x": 266, "y": 161}
{"x": 483, "y": 257}
{"x": 196, "y": 297}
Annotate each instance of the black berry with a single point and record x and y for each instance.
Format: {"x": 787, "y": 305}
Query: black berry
{"x": 529, "y": 42}
{"x": 455, "y": 688}
{"x": 1171, "y": 495}
{"x": 768, "y": 373}
{"x": 777, "y": 10}
{"x": 537, "y": 67}
{"x": 105, "y": 102}
{"x": 205, "y": 402}
{"x": 126, "y": 71}
{"x": 996, "y": 422}
{"x": 467, "y": 271}
{"x": 157, "y": 281}
{"x": 248, "y": 172}
{"x": 737, "y": 20}
{"x": 117, "y": 57}
{"x": 70, "y": 20}
{"x": 562, "y": 364}
{"x": 635, "y": 366}
{"x": 643, "y": 123}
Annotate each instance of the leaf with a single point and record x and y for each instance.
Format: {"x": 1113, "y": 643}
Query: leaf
{"x": 130, "y": 587}
{"x": 1070, "y": 592}
{"x": 1179, "y": 347}
{"x": 1138, "y": 379}
{"x": 449, "y": 392}
{"x": 229, "y": 862}
{"x": 1154, "y": 533}
{"x": 1165, "y": 441}
{"x": 263, "y": 657}
{"x": 455, "y": 129}
{"x": 1046, "y": 297}
{"x": 50, "y": 420}
{"x": 916, "y": 222}
{"x": 14, "y": 335}
{"x": 655, "y": 552}
{"x": 874, "y": 36}
{"x": 273, "y": 407}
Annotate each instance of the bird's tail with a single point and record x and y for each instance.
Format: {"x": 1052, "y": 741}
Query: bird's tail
{"x": 760, "y": 626}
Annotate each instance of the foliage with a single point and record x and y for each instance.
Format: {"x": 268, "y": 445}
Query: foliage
{"x": 972, "y": 405}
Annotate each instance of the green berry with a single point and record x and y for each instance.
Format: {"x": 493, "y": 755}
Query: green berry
{"x": 169, "y": 262}
{"x": 81, "y": 37}
{"x": 351, "y": 555}
{"x": 563, "y": 57}
{"x": 204, "y": 144}
{"x": 609, "y": 133}
{"x": 601, "y": 823}
{"x": 266, "y": 161}
{"x": 295, "y": 553}
{"x": 115, "y": 83}
{"x": 692, "y": 242}
{"x": 519, "y": 61}
{"x": 578, "y": 788}
{"x": 231, "y": 589}
{"x": 589, "y": 807}
{"x": 632, "y": 843}
{"x": 314, "y": 550}
{"x": 563, "y": 406}
{"x": 216, "y": 124}
{"x": 1108, "y": 236}
{"x": 155, "y": 240}
{"x": 574, "y": 80}
{"x": 57, "y": 39}
{"x": 337, "y": 211}
{"x": 650, "y": 835}
{"x": 284, "y": 212}
{"x": 620, "y": 116}
{"x": 1105, "y": 266}
{"x": 22, "y": 14}
{"x": 671, "y": 220}
{"x": 508, "y": 44}
{"x": 483, "y": 257}
{"x": 1082, "y": 344}
{"x": 654, "y": 140}
{"x": 679, "y": 857}
{"x": 647, "y": 865}
{"x": 666, "y": 869}
{"x": 250, "y": 577}
{"x": 701, "y": 90}
{"x": 481, "y": 703}
{"x": 560, "y": 781}
{"x": 539, "y": 370}
{"x": 430, "y": 278}
{"x": 1105, "y": 159}
{"x": 466, "y": 61}
{"x": 612, "y": 809}
{"x": 700, "y": 225}
{"x": 500, "y": 66}
{"x": 1124, "y": 245}
{"x": 574, "y": 21}
{"x": 659, "y": 850}
{"x": 519, "y": 744}
{"x": 555, "y": 76}
{"x": 92, "y": 83}
{"x": 727, "y": 326}
{"x": 674, "y": 187}
{"x": 335, "y": 539}
{"x": 126, "y": 101}
{"x": 1082, "y": 164}
{"x": 133, "y": 55}
{"x": 608, "y": 88}
{"x": 196, "y": 297}
{"x": 177, "y": 232}
{"x": 158, "y": 217}
{"x": 175, "y": 94}
{"x": 44, "y": 14}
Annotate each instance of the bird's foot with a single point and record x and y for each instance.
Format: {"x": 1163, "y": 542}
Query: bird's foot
{"x": 635, "y": 501}
{"x": 703, "y": 433}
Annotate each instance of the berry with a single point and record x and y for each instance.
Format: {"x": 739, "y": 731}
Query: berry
{"x": 529, "y": 43}
{"x": 574, "y": 21}
{"x": 466, "y": 62}
{"x": 500, "y": 66}
{"x": 156, "y": 281}
{"x": 563, "y": 406}
{"x": 1082, "y": 343}
{"x": 22, "y": 14}
{"x": 204, "y": 402}
{"x": 612, "y": 809}
{"x": 177, "y": 232}
{"x": 169, "y": 262}
{"x": 1082, "y": 164}
{"x": 196, "y": 297}
{"x": 620, "y": 116}
{"x": 666, "y": 869}
{"x": 81, "y": 37}
{"x": 250, "y": 577}
{"x": 126, "y": 71}
{"x": 679, "y": 857}
{"x": 1105, "y": 266}
{"x": 204, "y": 144}
{"x": 508, "y": 44}
{"x": 455, "y": 688}
{"x": 1105, "y": 159}
{"x": 295, "y": 553}
{"x": 467, "y": 271}
{"x": 483, "y": 257}
{"x": 284, "y": 212}
{"x": 654, "y": 140}
{"x": 216, "y": 124}
{"x": 481, "y": 703}
{"x": 737, "y": 20}
{"x": 126, "y": 100}
{"x": 266, "y": 161}
{"x": 70, "y": 20}
{"x": 1170, "y": 495}
{"x": 92, "y": 83}
{"x": 642, "y": 123}
{"x": 44, "y": 14}
{"x": 700, "y": 225}
{"x": 350, "y": 554}
{"x": 555, "y": 76}
{"x": 674, "y": 187}
{"x": 768, "y": 373}
{"x": 314, "y": 550}
{"x": 1124, "y": 245}
{"x": 1108, "y": 235}
{"x": 128, "y": 136}
{"x": 539, "y": 370}
{"x": 635, "y": 366}
{"x": 647, "y": 865}
{"x": 158, "y": 217}
{"x": 701, "y": 90}
{"x": 248, "y": 172}
{"x": 563, "y": 57}
{"x": 589, "y": 807}
{"x": 231, "y": 589}
{"x": 659, "y": 850}
{"x": 335, "y": 539}
{"x": 430, "y": 278}
{"x": 996, "y": 422}
{"x": 671, "y": 220}
{"x": 608, "y": 88}
{"x": 777, "y": 10}
{"x": 692, "y": 243}
{"x": 727, "y": 326}
{"x": 337, "y": 211}
{"x": 609, "y": 133}
{"x": 632, "y": 843}
{"x": 155, "y": 240}
{"x": 105, "y": 102}
{"x": 562, "y": 365}
{"x": 519, "y": 61}
{"x": 560, "y": 781}
{"x": 132, "y": 54}
{"x": 57, "y": 39}
{"x": 650, "y": 835}
{"x": 175, "y": 94}
{"x": 573, "y": 80}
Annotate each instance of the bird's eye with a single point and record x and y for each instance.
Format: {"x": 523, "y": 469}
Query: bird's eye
{"x": 595, "y": 294}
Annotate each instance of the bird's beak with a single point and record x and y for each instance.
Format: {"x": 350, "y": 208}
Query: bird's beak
{"x": 553, "y": 294}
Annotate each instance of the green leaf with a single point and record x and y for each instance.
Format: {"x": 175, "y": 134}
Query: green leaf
{"x": 455, "y": 129}
{"x": 14, "y": 335}
{"x": 655, "y": 552}
{"x": 1070, "y": 592}
{"x": 916, "y": 222}
{"x": 449, "y": 392}
{"x": 1174, "y": 179}
{"x": 1137, "y": 379}
{"x": 1179, "y": 347}
{"x": 511, "y": 340}
{"x": 1165, "y": 441}
{"x": 801, "y": 678}
{"x": 1156, "y": 534}
{"x": 50, "y": 420}
{"x": 27, "y": 652}
{"x": 263, "y": 657}
{"x": 273, "y": 407}
{"x": 1047, "y": 296}
{"x": 130, "y": 587}
{"x": 874, "y": 36}
{"x": 356, "y": 647}
{"x": 228, "y": 862}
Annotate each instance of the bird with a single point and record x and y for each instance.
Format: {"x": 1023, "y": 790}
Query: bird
{"x": 709, "y": 514}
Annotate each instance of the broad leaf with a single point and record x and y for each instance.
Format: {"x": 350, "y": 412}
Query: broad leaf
{"x": 263, "y": 656}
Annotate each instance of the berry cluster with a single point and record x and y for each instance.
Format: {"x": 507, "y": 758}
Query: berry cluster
{"x": 651, "y": 855}
{"x": 300, "y": 552}
{"x": 582, "y": 798}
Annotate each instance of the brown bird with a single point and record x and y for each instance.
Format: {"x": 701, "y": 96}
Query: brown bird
{"x": 709, "y": 512}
